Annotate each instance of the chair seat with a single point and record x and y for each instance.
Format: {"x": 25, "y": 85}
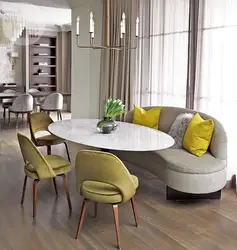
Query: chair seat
{"x": 48, "y": 140}
{"x": 58, "y": 164}
{"x": 103, "y": 192}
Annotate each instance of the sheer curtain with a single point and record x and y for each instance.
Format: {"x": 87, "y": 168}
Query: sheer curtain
{"x": 162, "y": 56}
{"x": 216, "y": 76}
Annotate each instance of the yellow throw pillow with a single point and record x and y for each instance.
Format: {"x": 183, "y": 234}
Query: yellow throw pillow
{"x": 198, "y": 135}
{"x": 149, "y": 118}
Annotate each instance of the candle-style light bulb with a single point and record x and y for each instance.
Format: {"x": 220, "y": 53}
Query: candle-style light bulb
{"x": 137, "y": 26}
{"x": 78, "y": 26}
{"x": 91, "y": 23}
{"x": 124, "y": 22}
{"x": 121, "y": 29}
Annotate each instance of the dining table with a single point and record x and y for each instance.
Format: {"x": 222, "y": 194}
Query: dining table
{"x": 4, "y": 95}
{"x": 127, "y": 136}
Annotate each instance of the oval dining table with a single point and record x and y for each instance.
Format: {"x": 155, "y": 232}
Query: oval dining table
{"x": 127, "y": 136}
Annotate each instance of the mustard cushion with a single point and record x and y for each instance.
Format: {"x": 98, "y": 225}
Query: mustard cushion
{"x": 198, "y": 135}
{"x": 149, "y": 118}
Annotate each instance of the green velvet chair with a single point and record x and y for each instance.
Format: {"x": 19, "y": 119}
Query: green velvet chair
{"x": 38, "y": 167}
{"x": 40, "y": 122}
{"x": 102, "y": 178}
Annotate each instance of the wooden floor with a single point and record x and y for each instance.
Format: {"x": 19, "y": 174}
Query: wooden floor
{"x": 206, "y": 225}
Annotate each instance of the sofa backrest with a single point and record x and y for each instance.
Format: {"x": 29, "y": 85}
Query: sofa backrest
{"x": 218, "y": 145}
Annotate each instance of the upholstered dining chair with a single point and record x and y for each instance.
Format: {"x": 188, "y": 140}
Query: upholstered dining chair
{"x": 53, "y": 103}
{"x": 39, "y": 122}
{"x": 39, "y": 167}
{"x": 102, "y": 178}
{"x": 23, "y": 104}
{"x": 6, "y": 103}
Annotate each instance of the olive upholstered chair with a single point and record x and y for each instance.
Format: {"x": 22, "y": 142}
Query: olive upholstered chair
{"x": 102, "y": 178}
{"x": 39, "y": 122}
{"x": 38, "y": 167}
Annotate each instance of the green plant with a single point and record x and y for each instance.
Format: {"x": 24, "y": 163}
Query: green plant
{"x": 113, "y": 108}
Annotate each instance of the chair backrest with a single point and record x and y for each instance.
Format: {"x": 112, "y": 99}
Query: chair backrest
{"x": 10, "y": 100}
{"x": 53, "y": 101}
{"x": 32, "y": 156}
{"x": 106, "y": 168}
{"x": 23, "y": 103}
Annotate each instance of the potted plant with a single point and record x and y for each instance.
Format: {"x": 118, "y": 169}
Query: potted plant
{"x": 112, "y": 108}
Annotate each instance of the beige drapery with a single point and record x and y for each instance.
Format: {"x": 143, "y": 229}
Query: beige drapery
{"x": 64, "y": 64}
{"x": 118, "y": 67}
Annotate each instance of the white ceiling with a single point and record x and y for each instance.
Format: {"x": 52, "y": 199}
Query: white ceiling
{"x": 48, "y": 3}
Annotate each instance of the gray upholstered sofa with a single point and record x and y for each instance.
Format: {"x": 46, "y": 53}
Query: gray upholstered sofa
{"x": 185, "y": 175}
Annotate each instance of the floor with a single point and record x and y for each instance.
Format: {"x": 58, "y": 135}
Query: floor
{"x": 204, "y": 225}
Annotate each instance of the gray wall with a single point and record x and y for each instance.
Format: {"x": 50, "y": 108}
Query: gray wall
{"x": 86, "y": 63}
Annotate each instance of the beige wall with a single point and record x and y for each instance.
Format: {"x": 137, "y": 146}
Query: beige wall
{"x": 86, "y": 63}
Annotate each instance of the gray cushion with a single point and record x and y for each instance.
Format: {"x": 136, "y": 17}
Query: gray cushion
{"x": 182, "y": 161}
{"x": 179, "y": 128}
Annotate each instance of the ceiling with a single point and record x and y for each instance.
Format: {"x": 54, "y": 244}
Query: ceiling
{"x": 48, "y": 3}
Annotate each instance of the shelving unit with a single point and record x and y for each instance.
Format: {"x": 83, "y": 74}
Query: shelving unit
{"x": 47, "y": 82}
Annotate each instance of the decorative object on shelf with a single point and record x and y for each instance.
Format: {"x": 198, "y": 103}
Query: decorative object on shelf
{"x": 112, "y": 108}
{"x": 120, "y": 46}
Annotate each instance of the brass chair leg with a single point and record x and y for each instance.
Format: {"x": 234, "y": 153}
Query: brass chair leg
{"x": 95, "y": 209}
{"x": 66, "y": 191}
{"x": 134, "y": 210}
{"x": 116, "y": 221}
{"x": 34, "y": 197}
{"x": 48, "y": 150}
{"x": 55, "y": 186}
{"x": 23, "y": 191}
{"x": 68, "y": 156}
{"x": 82, "y": 216}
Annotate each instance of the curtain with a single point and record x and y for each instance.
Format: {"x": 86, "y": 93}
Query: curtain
{"x": 64, "y": 64}
{"x": 118, "y": 67}
{"x": 216, "y": 74}
{"x": 162, "y": 56}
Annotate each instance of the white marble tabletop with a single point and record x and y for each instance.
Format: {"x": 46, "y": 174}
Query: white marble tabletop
{"x": 127, "y": 137}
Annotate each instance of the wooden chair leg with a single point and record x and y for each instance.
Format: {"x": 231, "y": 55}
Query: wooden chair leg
{"x": 116, "y": 221}
{"x": 134, "y": 210}
{"x": 60, "y": 115}
{"x": 17, "y": 119}
{"x": 55, "y": 186}
{"x": 48, "y": 150}
{"x": 23, "y": 191}
{"x": 34, "y": 197}
{"x": 68, "y": 156}
{"x": 82, "y": 216}
{"x": 9, "y": 118}
{"x": 95, "y": 209}
{"x": 66, "y": 191}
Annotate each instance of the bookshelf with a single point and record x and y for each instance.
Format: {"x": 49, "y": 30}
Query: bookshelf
{"x": 43, "y": 63}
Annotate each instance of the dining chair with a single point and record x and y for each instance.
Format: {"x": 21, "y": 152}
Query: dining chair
{"x": 102, "y": 178}
{"x": 23, "y": 104}
{"x": 39, "y": 122}
{"x": 6, "y": 103}
{"x": 53, "y": 103}
{"x": 39, "y": 167}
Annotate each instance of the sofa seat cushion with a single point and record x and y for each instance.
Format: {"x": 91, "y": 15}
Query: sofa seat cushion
{"x": 182, "y": 161}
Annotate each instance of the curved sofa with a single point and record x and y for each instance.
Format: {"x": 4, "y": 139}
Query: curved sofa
{"x": 185, "y": 175}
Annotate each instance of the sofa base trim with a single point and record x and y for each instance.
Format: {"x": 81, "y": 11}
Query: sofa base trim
{"x": 172, "y": 194}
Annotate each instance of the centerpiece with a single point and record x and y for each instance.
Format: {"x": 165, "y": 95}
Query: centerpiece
{"x": 112, "y": 108}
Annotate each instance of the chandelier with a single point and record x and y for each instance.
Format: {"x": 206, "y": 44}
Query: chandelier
{"x": 107, "y": 45}
{"x": 11, "y": 27}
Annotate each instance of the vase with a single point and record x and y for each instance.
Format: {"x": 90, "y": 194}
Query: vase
{"x": 106, "y": 126}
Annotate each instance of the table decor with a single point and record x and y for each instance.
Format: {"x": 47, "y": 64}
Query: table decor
{"x": 112, "y": 108}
